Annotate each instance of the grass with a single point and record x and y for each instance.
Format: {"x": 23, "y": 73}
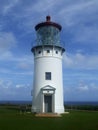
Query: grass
{"x": 11, "y": 119}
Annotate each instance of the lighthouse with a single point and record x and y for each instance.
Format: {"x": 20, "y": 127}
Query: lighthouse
{"x": 47, "y": 92}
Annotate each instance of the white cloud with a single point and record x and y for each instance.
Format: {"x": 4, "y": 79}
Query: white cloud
{"x": 86, "y": 34}
{"x": 20, "y": 85}
{"x": 92, "y": 61}
{"x": 76, "y": 12}
{"x": 67, "y": 12}
{"x": 6, "y": 55}
{"x": 9, "y": 5}
{"x": 5, "y": 84}
{"x": 68, "y": 61}
{"x": 61, "y": 10}
{"x": 10, "y": 91}
{"x": 83, "y": 88}
{"x": 23, "y": 85}
{"x": 1, "y": 27}
{"x": 44, "y": 5}
{"x": 1, "y": 82}
{"x": 87, "y": 87}
{"x": 94, "y": 86}
{"x": 4, "y": 70}
{"x": 25, "y": 62}
{"x": 80, "y": 57}
{"x": 7, "y": 41}
{"x": 79, "y": 60}
{"x": 23, "y": 65}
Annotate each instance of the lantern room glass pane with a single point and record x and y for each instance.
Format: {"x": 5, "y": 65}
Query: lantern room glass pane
{"x": 48, "y": 35}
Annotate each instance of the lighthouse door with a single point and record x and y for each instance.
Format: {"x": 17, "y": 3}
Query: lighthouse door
{"x": 48, "y": 103}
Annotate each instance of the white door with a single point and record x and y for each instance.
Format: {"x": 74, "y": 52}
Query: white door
{"x": 48, "y": 103}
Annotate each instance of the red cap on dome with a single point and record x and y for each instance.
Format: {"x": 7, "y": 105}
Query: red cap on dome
{"x": 48, "y": 18}
{"x": 48, "y": 23}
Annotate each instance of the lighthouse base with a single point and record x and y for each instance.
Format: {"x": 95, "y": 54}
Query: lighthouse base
{"x": 58, "y": 110}
{"x": 35, "y": 110}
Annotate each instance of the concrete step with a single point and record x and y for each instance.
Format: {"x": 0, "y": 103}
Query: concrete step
{"x": 47, "y": 115}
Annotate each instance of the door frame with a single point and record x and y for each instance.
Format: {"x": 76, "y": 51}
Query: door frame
{"x": 47, "y": 90}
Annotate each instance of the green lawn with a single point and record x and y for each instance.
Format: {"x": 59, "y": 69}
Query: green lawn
{"x": 11, "y": 119}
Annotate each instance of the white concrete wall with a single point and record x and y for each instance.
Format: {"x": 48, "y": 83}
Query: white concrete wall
{"x": 48, "y": 62}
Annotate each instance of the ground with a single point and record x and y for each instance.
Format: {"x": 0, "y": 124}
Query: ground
{"x": 13, "y": 119}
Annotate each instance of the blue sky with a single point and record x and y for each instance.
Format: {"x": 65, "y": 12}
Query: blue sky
{"x": 79, "y": 19}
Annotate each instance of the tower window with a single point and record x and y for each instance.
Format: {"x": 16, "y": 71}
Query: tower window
{"x": 48, "y": 75}
{"x": 56, "y": 52}
{"x": 48, "y": 51}
{"x": 39, "y": 52}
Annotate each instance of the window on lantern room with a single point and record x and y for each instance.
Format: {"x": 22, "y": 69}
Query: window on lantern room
{"x": 48, "y": 51}
{"x": 48, "y": 75}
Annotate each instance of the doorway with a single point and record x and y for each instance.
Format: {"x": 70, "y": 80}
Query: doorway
{"x": 48, "y": 103}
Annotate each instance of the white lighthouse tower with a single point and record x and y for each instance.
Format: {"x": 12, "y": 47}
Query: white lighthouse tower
{"x": 48, "y": 81}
